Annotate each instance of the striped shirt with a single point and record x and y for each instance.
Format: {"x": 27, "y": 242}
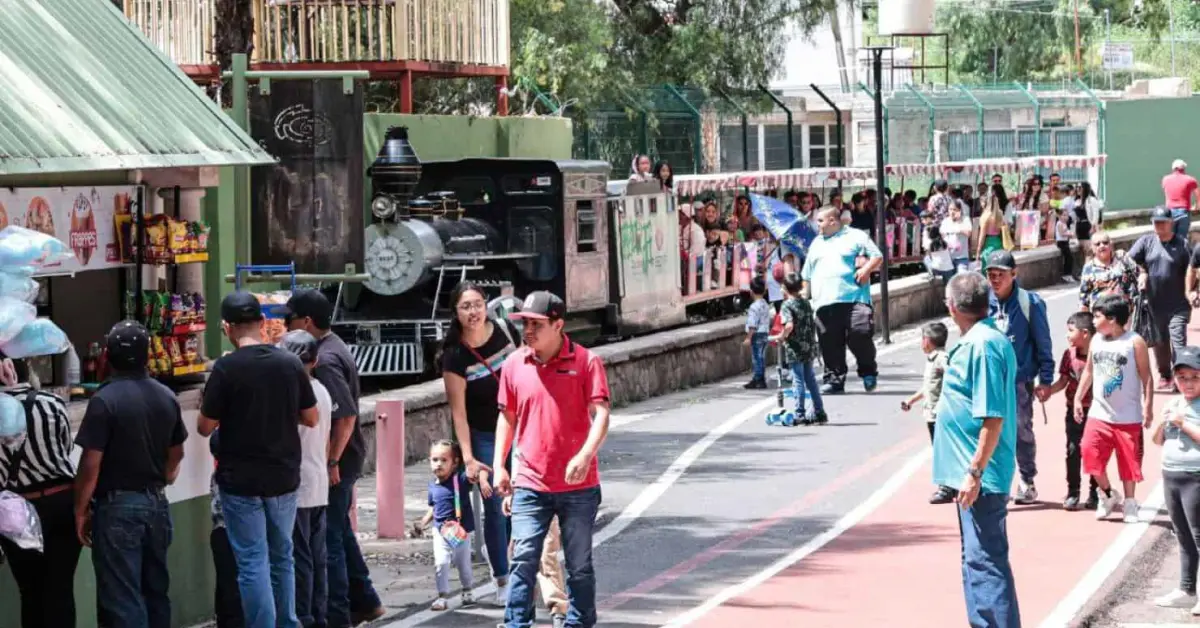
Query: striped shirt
{"x": 46, "y": 459}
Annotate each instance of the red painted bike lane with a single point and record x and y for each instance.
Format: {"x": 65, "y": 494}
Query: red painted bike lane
{"x": 900, "y": 564}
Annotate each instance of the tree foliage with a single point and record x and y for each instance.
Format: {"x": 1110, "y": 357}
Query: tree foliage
{"x": 586, "y": 54}
{"x": 1031, "y": 41}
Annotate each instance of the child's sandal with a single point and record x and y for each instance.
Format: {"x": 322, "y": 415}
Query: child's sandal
{"x": 439, "y": 604}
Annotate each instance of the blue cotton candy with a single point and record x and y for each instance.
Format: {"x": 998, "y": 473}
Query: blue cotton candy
{"x": 12, "y": 417}
{"x": 14, "y": 316}
{"x": 25, "y": 247}
{"x": 40, "y": 337}
{"x": 18, "y": 285}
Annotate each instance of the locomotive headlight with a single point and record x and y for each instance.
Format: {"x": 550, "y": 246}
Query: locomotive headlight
{"x": 383, "y": 207}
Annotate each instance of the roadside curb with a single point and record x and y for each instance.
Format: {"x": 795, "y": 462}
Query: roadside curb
{"x": 1145, "y": 558}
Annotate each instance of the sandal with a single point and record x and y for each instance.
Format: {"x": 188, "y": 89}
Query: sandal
{"x": 439, "y": 604}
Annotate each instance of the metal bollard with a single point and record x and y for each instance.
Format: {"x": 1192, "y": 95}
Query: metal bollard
{"x": 389, "y": 469}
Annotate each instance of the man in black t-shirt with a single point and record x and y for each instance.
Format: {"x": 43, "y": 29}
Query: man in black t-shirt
{"x": 1162, "y": 259}
{"x": 352, "y": 596}
{"x": 258, "y": 394}
{"x": 132, "y": 439}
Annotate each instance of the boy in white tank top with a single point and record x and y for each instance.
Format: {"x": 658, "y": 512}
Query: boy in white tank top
{"x": 1118, "y": 374}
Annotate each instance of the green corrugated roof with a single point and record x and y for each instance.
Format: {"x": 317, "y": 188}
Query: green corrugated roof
{"x": 82, "y": 89}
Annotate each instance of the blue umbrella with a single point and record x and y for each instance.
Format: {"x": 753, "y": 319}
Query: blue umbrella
{"x": 784, "y": 222}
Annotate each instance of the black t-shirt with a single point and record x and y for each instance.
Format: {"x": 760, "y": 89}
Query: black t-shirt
{"x": 483, "y": 388}
{"x": 257, "y": 393}
{"x": 1166, "y": 265}
{"x": 134, "y": 420}
{"x": 338, "y": 372}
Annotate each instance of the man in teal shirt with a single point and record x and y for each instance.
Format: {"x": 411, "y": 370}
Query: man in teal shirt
{"x": 974, "y": 448}
{"x": 840, "y": 291}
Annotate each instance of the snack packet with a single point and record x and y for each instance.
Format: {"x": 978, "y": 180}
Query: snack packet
{"x": 174, "y": 352}
{"x": 178, "y": 236}
{"x": 191, "y": 350}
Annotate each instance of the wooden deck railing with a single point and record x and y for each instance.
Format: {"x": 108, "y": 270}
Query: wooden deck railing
{"x": 337, "y": 31}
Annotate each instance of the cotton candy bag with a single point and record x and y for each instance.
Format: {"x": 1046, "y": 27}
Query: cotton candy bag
{"x": 25, "y": 247}
{"x": 12, "y": 421}
{"x": 19, "y": 522}
{"x": 39, "y": 337}
{"x": 19, "y": 284}
{"x": 14, "y": 316}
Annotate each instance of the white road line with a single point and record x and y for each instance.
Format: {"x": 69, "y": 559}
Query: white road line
{"x": 849, "y": 520}
{"x": 659, "y": 487}
{"x": 1108, "y": 563}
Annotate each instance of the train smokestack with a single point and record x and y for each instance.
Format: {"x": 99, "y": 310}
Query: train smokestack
{"x": 395, "y": 172}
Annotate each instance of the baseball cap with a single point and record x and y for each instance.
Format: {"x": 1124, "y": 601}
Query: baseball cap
{"x": 1188, "y": 357}
{"x": 240, "y": 307}
{"x": 541, "y": 305}
{"x": 310, "y": 304}
{"x": 1160, "y": 213}
{"x": 128, "y": 345}
{"x": 1178, "y": 164}
{"x": 1001, "y": 259}
{"x": 300, "y": 344}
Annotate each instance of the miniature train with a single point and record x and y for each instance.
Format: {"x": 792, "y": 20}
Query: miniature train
{"x": 610, "y": 249}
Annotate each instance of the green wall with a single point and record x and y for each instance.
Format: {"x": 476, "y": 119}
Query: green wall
{"x": 439, "y": 138}
{"x": 1142, "y": 138}
{"x": 189, "y": 560}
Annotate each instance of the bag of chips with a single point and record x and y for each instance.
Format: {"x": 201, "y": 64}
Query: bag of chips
{"x": 19, "y": 522}
{"x": 40, "y": 337}
{"x": 25, "y": 247}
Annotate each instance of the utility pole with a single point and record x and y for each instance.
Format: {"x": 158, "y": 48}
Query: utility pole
{"x": 881, "y": 204}
{"x": 1078, "y": 47}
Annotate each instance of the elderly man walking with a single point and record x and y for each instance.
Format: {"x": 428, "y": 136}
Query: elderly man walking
{"x": 840, "y": 291}
{"x": 1162, "y": 259}
{"x": 974, "y": 449}
{"x": 1021, "y": 315}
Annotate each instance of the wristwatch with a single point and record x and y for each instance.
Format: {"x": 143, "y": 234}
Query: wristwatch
{"x": 975, "y": 473}
{"x": 334, "y": 463}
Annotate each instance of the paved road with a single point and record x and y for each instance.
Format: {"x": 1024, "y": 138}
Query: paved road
{"x": 712, "y": 497}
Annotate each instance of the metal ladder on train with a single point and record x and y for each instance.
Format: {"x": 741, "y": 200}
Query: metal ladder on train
{"x": 442, "y": 291}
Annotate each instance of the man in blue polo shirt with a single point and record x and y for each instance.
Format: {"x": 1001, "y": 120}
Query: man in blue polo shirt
{"x": 974, "y": 448}
{"x": 840, "y": 291}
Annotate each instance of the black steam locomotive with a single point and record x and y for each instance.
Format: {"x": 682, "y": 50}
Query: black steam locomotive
{"x": 512, "y": 226}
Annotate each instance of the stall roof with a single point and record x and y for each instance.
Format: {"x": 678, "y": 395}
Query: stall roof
{"x": 84, "y": 90}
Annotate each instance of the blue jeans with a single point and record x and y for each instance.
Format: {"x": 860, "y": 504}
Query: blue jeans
{"x": 495, "y": 523}
{"x": 312, "y": 568}
{"x": 350, "y": 588}
{"x": 988, "y": 585}
{"x": 804, "y": 377}
{"x": 131, "y": 531}
{"x": 531, "y": 515}
{"x": 260, "y": 533}
{"x": 1026, "y": 441}
{"x": 1183, "y": 222}
{"x": 758, "y": 355}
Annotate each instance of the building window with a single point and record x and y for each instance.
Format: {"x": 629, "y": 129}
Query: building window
{"x": 585, "y": 231}
{"x": 775, "y": 145}
{"x": 823, "y": 146}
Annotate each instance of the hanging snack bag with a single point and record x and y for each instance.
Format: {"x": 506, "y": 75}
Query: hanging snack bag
{"x": 199, "y": 231}
{"x": 199, "y": 306}
{"x": 157, "y": 239}
{"x": 25, "y": 247}
{"x": 179, "y": 237}
{"x": 191, "y": 350}
{"x": 41, "y": 337}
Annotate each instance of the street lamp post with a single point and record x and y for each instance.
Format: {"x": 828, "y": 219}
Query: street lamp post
{"x": 880, "y": 202}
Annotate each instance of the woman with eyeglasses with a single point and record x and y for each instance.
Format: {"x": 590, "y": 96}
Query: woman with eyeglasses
{"x": 473, "y": 353}
{"x": 1107, "y": 270}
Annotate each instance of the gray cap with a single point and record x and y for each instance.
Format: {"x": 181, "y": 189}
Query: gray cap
{"x": 1002, "y": 259}
{"x": 1160, "y": 214}
{"x": 1187, "y": 357}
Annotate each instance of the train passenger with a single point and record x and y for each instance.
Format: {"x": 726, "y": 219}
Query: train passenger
{"x": 662, "y": 172}
{"x": 474, "y": 354}
{"x": 640, "y": 169}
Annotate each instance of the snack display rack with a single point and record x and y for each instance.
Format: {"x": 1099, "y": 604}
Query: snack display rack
{"x": 174, "y": 319}
{"x": 272, "y": 303}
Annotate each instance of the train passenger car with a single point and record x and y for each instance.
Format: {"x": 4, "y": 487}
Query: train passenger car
{"x": 644, "y": 270}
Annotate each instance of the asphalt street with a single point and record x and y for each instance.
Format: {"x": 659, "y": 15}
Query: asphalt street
{"x": 701, "y": 494}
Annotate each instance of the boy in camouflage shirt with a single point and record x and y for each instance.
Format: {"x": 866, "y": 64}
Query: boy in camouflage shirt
{"x": 933, "y": 342}
{"x": 799, "y": 337}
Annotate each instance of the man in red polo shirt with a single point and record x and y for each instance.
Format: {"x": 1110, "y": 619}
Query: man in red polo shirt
{"x": 554, "y": 401}
{"x": 1179, "y": 188}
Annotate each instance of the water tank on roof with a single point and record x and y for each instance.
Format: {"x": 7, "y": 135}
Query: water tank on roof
{"x": 906, "y": 17}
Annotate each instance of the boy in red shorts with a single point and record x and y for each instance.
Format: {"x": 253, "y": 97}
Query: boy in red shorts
{"x": 1118, "y": 375}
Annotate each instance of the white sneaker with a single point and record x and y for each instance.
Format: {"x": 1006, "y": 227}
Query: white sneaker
{"x": 1107, "y": 505}
{"x": 1196, "y": 608}
{"x": 1175, "y": 599}
{"x": 1131, "y": 511}
{"x": 501, "y": 599}
{"x": 1026, "y": 494}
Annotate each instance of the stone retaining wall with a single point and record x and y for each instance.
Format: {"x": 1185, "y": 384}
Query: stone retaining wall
{"x": 690, "y": 356}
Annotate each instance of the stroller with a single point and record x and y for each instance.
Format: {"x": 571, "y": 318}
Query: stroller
{"x": 783, "y": 382}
